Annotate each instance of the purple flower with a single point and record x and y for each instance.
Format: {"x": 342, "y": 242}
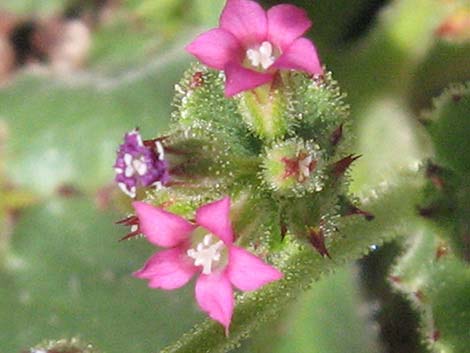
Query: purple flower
{"x": 140, "y": 163}
{"x": 205, "y": 248}
{"x": 251, "y": 44}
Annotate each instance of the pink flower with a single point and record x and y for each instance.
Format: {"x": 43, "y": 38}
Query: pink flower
{"x": 251, "y": 44}
{"x": 205, "y": 247}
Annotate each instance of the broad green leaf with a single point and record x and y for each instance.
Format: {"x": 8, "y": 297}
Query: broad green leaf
{"x": 67, "y": 131}
{"x": 68, "y": 276}
{"x": 386, "y": 142}
{"x": 331, "y": 317}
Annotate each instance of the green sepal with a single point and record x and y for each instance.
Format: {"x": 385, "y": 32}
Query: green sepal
{"x": 201, "y": 104}
{"x": 318, "y": 107}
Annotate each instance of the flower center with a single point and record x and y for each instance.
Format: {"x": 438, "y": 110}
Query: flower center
{"x": 300, "y": 167}
{"x": 208, "y": 253}
{"x": 134, "y": 165}
{"x": 261, "y": 56}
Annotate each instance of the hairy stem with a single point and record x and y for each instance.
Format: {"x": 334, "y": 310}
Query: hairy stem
{"x": 395, "y": 214}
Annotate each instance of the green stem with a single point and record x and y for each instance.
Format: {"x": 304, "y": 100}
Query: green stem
{"x": 395, "y": 214}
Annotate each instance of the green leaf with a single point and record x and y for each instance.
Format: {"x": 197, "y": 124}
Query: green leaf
{"x": 311, "y": 324}
{"x": 67, "y": 131}
{"x": 68, "y": 276}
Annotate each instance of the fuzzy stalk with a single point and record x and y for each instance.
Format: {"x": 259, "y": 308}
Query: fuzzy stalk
{"x": 395, "y": 213}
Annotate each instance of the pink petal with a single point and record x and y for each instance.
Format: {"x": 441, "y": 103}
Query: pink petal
{"x": 248, "y": 272}
{"x": 161, "y": 227}
{"x": 167, "y": 269}
{"x": 301, "y": 55}
{"x": 239, "y": 79}
{"x": 215, "y": 217}
{"x": 246, "y": 20}
{"x": 286, "y": 23}
{"x": 214, "y": 295}
{"x": 216, "y": 48}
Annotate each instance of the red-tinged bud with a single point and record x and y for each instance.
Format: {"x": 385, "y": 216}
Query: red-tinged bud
{"x": 317, "y": 239}
{"x": 138, "y": 166}
{"x": 395, "y": 279}
{"x": 294, "y": 167}
{"x": 340, "y": 167}
{"x": 436, "y": 335}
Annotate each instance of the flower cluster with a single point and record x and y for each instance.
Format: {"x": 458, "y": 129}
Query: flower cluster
{"x": 252, "y": 44}
{"x": 253, "y": 47}
{"x": 140, "y": 164}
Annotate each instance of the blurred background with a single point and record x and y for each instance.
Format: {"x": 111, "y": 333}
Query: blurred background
{"x": 76, "y": 75}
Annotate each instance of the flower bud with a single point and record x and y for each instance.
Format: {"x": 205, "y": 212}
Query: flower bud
{"x": 294, "y": 167}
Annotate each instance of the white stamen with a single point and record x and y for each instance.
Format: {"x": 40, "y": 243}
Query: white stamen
{"x": 206, "y": 253}
{"x": 160, "y": 150}
{"x": 134, "y": 165}
{"x": 130, "y": 193}
{"x": 128, "y": 158}
{"x": 118, "y": 170}
{"x": 139, "y": 166}
{"x": 253, "y": 56}
{"x": 158, "y": 185}
{"x": 304, "y": 167}
{"x": 129, "y": 172}
{"x": 263, "y": 55}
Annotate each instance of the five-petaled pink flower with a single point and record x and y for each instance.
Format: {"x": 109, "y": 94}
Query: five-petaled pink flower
{"x": 251, "y": 44}
{"x": 205, "y": 247}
